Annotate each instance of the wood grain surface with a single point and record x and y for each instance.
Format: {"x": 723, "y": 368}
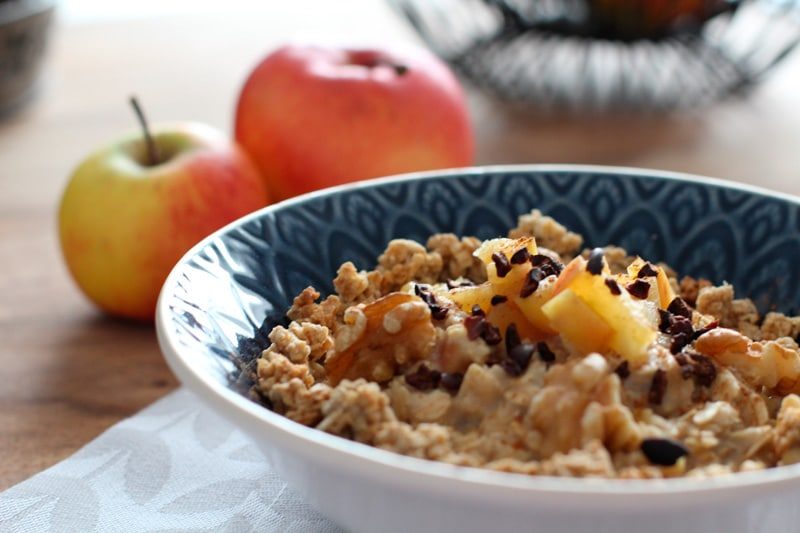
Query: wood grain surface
{"x": 67, "y": 372}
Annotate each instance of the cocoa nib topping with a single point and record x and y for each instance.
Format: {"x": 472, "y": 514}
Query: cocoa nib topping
{"x": 478, "y": 326}
{"x": 658, "y": 387}
{"x": 666, "y": 320}
{"x": 522, "y": 353}
{"x": 512, "y": 337}
{"x": 639, "y": 288}
{"x": 682, "y": 333}
{"x": 531, "y": 282}
{"x": 663, "y": 452}
{"x": 679, "y": 342}
{"x": 679, "y": 307}
{"x": 519, "y": 354}
{"x": 423, "y": 378}
{"x": 545, "y": 353}
{"x": 595, "y": 263}
{"x": 520, "y": 256}
{"x": 518, "y": 360}
{"x": 501, "y": 264}
{"x": 474, "y": 325}
{"x": 647, "y": 271}
{"x": 498, "y": 299}
{"x": 704, "y": 370}
{"x": 698, "y": 366}
{"x": 438, "y": 312}
{"x": 451, "y": 382}
{"x": 613, "y": 286}
{"x": 547, "y": 265}
{"x": 680, "y": 326}
{"x": 623, "y": 370}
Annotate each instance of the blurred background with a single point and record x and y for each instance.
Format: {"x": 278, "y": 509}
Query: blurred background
{"x": 188, "y": 60}
{"x": 545, "y": 84}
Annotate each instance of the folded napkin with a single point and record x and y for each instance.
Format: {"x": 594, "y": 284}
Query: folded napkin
{"x": 174, "y": 466}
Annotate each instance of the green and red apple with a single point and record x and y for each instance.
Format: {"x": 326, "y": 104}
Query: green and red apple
{"x": 131, "y": 210}
{"x": 311, "y": 116}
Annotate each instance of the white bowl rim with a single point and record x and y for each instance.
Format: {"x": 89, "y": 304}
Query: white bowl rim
{"x": 348, "y": 453}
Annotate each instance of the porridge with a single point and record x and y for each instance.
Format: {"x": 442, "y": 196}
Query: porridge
{"x": 528, "y": 354}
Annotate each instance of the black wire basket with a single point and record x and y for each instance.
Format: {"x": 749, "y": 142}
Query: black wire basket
{"x": 559, "y": 53}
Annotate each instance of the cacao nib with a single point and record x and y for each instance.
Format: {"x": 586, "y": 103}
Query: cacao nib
{"x": 491, "y": 335}
{"x": 545, "y": 353}
{"x": 613, "y": 286}
{"x": 512, "y": 337}
{"x": 639, "y": 289}
{"x": 623, "y": 370}
{"x": 647, "y": 271}
{"x": 520, "y": 256}
{"x": 678, "y": 307}
{"x": 501, "y": 264}
{"x": 666, "y": 320}
{"x": 531, "y": 282}
{"x": 595, "y": 263}
{"x": 423, "y": 378}
{"x": 474, "y": 325}
{"x": 663, "y": 452}
{"x": 521, "y": 354}
{"x": 498, "y": 299}
{"x": 451, "y": 381}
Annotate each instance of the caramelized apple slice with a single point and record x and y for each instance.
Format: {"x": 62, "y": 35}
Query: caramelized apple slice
{"x": 501, "y": 314}
{"x": 633, "y": 322}
{"x": 531, "y": 306}
{"x": 573, "y": 268}
{"x": 508, "y": 278}
{"x": 505, "y": 246}
{"x": 577, "y": 323}
{"x": 468, "y": 297}
{"x": 661, "y": 292}
{"x": 666, "y": 294}
{"x": 506, "y": 313}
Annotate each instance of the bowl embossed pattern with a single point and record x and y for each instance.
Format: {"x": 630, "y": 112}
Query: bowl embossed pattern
{"x": 223, "y": 288}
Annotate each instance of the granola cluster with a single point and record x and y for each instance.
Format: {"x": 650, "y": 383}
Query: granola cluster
{"x": 396, "y": 359}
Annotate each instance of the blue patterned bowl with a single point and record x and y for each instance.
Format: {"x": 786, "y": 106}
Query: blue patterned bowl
{"x": 224, "y": 287}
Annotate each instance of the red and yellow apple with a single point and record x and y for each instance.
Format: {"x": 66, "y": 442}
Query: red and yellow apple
{"x": 125, "y": 221}
{"x": 312, "y": 117}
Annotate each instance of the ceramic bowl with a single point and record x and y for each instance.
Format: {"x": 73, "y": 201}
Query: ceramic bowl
{"x": 225, "y": 286}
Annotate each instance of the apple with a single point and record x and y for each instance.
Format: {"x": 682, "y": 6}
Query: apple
{"x": 313, "y": 116}
{"x": 133, "y": 208}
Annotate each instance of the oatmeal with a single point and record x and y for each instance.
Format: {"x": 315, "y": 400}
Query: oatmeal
{"x": 528, "y": 354}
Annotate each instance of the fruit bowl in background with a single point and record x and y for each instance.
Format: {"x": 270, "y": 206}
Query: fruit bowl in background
{"x": 221, "y": 291}
{"x": 24, "y": 32}
{"x": 601, "y": 54}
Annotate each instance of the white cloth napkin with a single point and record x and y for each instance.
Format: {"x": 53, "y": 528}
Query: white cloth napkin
{"x": 173, "y": 467}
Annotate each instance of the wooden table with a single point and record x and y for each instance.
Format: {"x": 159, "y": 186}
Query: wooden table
{"x": 67, "y": 372}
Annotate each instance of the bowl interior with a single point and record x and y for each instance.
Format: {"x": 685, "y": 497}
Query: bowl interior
{"x": 224, "y": 288}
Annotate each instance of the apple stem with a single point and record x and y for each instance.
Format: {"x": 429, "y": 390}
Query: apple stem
{"x": 152, "y": 150}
